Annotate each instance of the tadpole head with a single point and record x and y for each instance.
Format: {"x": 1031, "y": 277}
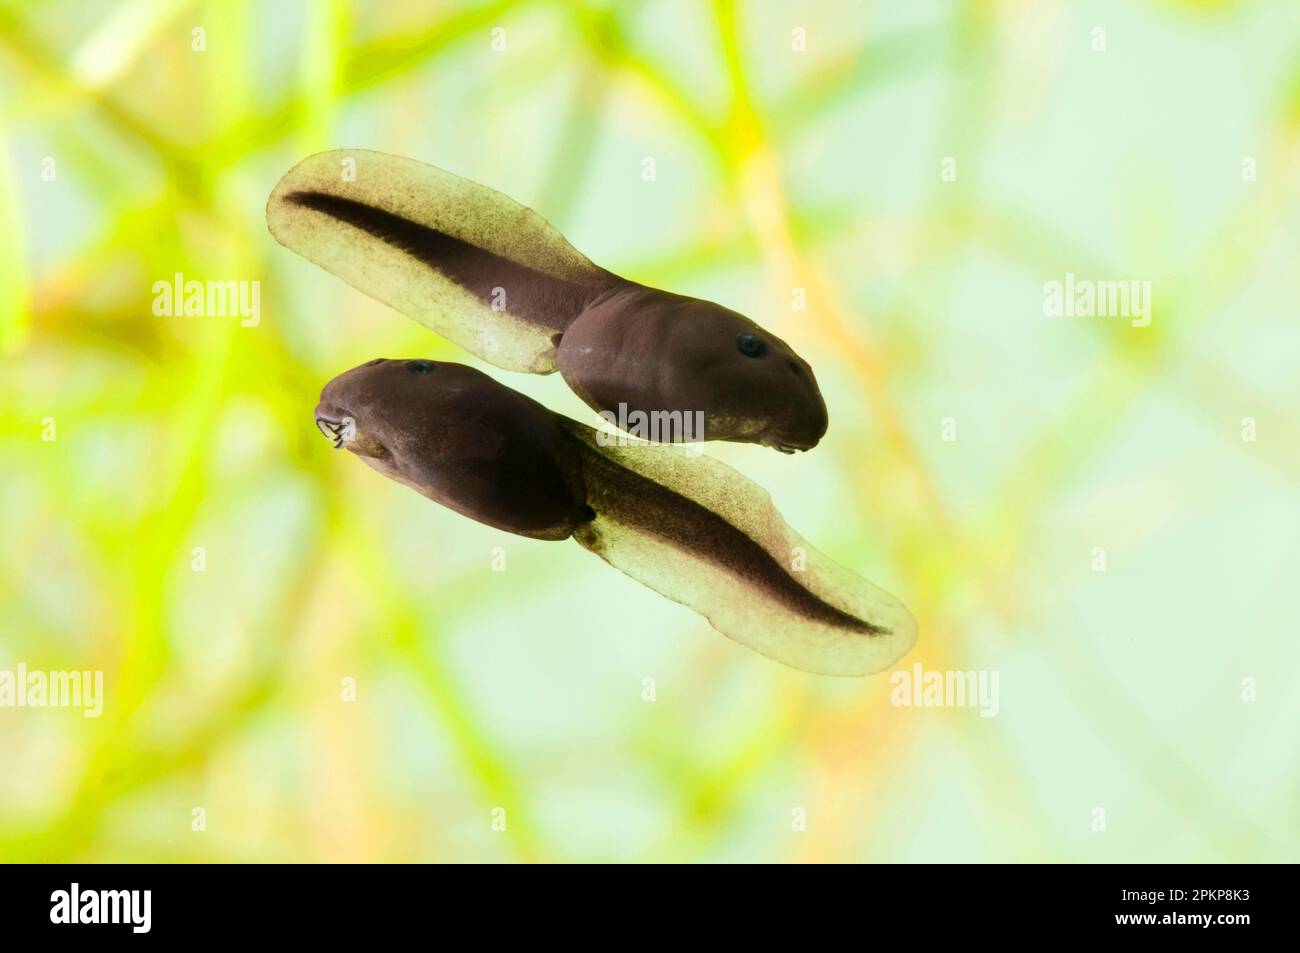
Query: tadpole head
{"x": 369, "y": 409}
{"x": 753, "y": 385}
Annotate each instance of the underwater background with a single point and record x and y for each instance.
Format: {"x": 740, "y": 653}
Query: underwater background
{"x": 303, "y": 661}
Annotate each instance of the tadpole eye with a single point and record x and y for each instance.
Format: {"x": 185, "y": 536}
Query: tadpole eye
{"x": 419, "y": 367}
{"x": 750, "y": 345}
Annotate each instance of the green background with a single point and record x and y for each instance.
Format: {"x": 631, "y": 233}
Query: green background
{"x": 775, "y": 169}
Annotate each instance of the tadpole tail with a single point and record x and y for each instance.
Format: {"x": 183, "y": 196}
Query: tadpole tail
{"x": 462, "y": 259}
{"x": 701, "y": 534}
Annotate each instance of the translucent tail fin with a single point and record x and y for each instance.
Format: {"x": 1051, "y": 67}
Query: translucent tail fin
{"x": 701, "y": 534}
{"x": 466, "y": 261}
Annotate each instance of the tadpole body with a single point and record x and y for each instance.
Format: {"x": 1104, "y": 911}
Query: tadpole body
{"x": 494, "y": 277}
{"x": 455, "y": 435}
{"x": 688, "y": 527}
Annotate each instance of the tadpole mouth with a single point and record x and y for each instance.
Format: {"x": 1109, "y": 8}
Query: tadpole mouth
{"x": 336, "y": 424}
{"x": 789, "y": 446}
{"x": 332, "y": 429}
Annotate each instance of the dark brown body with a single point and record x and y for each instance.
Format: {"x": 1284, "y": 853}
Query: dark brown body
{"x": 652, "y": 350}
{"x": 492, "y": 275}
{"x": 463, "y": 440}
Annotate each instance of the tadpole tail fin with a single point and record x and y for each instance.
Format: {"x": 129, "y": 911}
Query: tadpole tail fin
{"x": 466, "y": 261}
{"x": 701, "y": 534}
